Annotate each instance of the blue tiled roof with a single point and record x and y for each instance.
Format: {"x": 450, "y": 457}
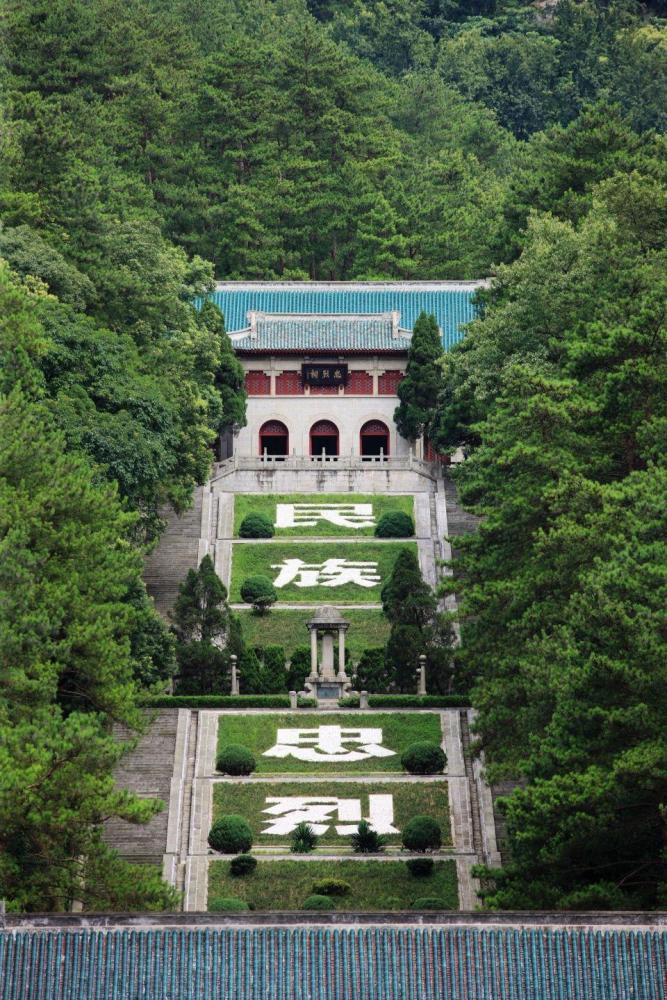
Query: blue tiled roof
{"x": 370, "y": 963}
{"x": 322, "y": 333}
{"x": 450, "y": 302}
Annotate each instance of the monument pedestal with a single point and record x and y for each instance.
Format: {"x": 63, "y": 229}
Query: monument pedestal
{"x": 324, "y": 682}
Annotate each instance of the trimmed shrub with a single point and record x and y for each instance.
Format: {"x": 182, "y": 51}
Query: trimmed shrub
{"x": 260, "y": 592}
{"x": 349, "y": 701}
{"x": 256, "y": 526}
{"x": 428, "y": 903}
{"x": 227, "y": 903}
{"x": 304, "y": 839}
{"x": 332, "y": 887}
{"x": 242, "y": 864}
{"x": 418, "y": 867}
{"x": 230, "y": 835}
{"x": 424, "y": 758}
{"x": 366, "y": 840}
{"x": 235, "y": 760}
{"x": 216, "y": 701}
{"x": 419, "y": 701}
{"x": 305, "y": 701}
{"x": 396, "y": 524}
{"x": 422, "y": 833}
{"x": 316, "y": 902}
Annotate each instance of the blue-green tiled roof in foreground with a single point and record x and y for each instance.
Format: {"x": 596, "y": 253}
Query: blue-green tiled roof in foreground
{"x": 376, "y": 963}
{"x": 322, "y": 333}
{"x": 449, "y": 301}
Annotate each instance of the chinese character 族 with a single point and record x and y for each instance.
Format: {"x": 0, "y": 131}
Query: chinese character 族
{"x": 331, "y": 573}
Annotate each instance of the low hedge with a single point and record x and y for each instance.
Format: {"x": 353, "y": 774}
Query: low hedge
{"x": 418, "y": 701}
{"x": 216, "y": 701}
{"x": 428, "y": 903}
{"x": 228, "y": 903}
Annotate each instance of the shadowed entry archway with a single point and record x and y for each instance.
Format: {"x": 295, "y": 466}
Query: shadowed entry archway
{"x": 374, "y": 439}
{"x": 324, "y": 438}
{"x": 274, "y": 439}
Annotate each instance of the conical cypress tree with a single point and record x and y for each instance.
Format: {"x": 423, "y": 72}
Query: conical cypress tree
{"x": 418, "y": 392}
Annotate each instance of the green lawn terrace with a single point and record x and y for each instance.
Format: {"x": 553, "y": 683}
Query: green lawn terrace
{"x": 270, "y": 807}
{"x": 315, "y": 573}
{"x": 288, "y": 629}
{"x": 315, "y": 515}
{"x": 375, "y": 885}
{"x": 259, "y": 733}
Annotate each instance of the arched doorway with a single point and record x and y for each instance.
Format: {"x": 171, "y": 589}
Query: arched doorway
{"x": 374, "y": 439}
{"x": 274, "y": 439}
{"x": 324, "y": 438}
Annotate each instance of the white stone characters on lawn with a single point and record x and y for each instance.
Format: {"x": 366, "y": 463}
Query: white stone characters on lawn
{"x": 330, "y": 573}
{"x": 327, "y": 743}
{"x": 306, "y": 515}
{"x": 318, "y": 810}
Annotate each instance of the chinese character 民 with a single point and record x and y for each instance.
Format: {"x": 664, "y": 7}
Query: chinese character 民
{"x": 345, "y": 515}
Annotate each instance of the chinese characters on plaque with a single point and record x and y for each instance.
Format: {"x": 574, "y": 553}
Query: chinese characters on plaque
{"x": 324, "y": 374}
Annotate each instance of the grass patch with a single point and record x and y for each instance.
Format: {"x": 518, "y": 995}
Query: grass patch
{"x": 247, "y": 799}
{"x": 288, "y": 629}
{"x": 257, "y": 559}
{"x": 259, "y": 503}
{"x": 258, "y": 733}
{"x": 376, "y": 885}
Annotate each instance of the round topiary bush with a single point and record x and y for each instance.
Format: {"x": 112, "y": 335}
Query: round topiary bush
{"x": 258, "y": 591}
{"x": 230, "y": 835}
{"x": 428, "y": 903}
{"x": 418, "y": 867}
{"x": 424, "y": 758}
{"x": 422, "y": 833}
{"x": 332, "y": 887}
{"x": 316, "y": 902}
{"x": 242, "y": 864}
{"x": 235, "y": 760}
{"x": 395, "y": 525}
{"x": 228, "y": 903}
{"x": 256, "y": 526}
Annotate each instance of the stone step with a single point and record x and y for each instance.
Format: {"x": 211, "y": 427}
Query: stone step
{"x": 176, "y": 553}
{"x": 146, "y": 770}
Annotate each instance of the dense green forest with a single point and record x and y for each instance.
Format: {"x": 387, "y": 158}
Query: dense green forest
{"x": 146, "y": 147}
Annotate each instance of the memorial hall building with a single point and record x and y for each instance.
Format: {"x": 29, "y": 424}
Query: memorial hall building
{"x": 323, "y": 361}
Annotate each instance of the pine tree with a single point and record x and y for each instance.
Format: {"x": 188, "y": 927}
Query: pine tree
{"x": 67, "y": 573}
{"x": 206, "y": 634}
{"x": 419, "y": 390}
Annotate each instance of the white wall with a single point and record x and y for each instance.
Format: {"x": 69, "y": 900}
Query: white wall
{"x": 299, "y": 413}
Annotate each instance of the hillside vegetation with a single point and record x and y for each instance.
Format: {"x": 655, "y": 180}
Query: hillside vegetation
{"x": 149, "y": 145}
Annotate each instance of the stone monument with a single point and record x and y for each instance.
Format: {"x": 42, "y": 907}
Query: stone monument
{"x": 324, "y": 681}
